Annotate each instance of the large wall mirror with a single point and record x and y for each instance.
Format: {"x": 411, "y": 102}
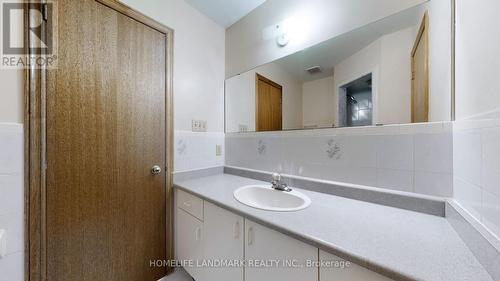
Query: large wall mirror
{"x": 393, "y": 71}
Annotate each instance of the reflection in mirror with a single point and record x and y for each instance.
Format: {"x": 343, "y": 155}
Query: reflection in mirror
{"x": 387, "y": 72}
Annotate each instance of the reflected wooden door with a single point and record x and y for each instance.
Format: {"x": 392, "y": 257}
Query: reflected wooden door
{"x": 106, "y": 129}
{"x": 420, "y": 75}
{"x": 269, "y": 99}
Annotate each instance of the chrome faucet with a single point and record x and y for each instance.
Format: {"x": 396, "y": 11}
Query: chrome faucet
{"x": 278, "y": 184}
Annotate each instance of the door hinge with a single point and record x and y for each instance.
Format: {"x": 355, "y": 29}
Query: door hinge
{"x": 45, "y": 12}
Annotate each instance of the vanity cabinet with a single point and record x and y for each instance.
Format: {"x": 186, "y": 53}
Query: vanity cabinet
{"x": 189, "y": 235}
{"x": 264, "y": 245}
{"x": 334, "y": 268}
{"x": 224, "y": 242}
{"x": 207, "y": 234}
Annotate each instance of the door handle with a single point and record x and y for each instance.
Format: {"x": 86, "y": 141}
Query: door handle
{"x": 156, "y": 170}
{"x": 198, "y": 233}
{"x": 250, "y": 236}
{"x": 237, "y": 230}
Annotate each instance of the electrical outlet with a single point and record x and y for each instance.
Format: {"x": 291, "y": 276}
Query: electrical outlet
{"x": 199, "y": 126}
{"x": 243, "y": 128}
{"x": 218, "y": 150}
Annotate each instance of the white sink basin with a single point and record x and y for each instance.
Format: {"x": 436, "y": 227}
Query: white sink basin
{"x": 266, "y": 198}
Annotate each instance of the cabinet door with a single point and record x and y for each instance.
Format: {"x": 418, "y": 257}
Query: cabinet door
{"x": 224, "y": 240}
{"x": 189, "y": 242}
{"x": 272, "y": 256}
{"x": 334, "y": 268}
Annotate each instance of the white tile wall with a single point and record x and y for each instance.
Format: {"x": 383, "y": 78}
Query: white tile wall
{"x": 476, "y": 173}
{"x": 197, "y": 150}
{"x": 414, "y": 158}
{"x": 12, "y": 200}
{"x": 395, "y": 179}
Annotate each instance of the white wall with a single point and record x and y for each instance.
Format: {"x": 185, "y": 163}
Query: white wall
{"x": 394, "y": 99}
{"x": 11, "y": 95}
{"x": 318, "y": 103}
{"x": 477, "y": 129}
{"x": 477, "y": 57}
{"x": 249, "y": 42}
{"x": 12, "y": 85}
{"x": 440, "y": 14}
{"x": 240, "y": 98}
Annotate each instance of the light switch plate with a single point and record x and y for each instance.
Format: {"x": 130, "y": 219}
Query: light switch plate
{"x": 218, "y": 150}
{"x": 3, "y": 243}
{"x": 199, "y": 125}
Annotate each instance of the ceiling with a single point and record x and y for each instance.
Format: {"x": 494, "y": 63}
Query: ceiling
{"x": 331, "y": 52}
{"x": 225, "y": 12}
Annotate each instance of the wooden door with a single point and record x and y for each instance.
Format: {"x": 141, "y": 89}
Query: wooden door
{"x": 420, "y": 75}
{"x": 264, "y": 244}
{"x": 106, "y": 213}
{"x": 268, "y": 105}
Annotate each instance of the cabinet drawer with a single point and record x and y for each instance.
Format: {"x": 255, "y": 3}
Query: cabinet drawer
{"x": 190, "y": 203}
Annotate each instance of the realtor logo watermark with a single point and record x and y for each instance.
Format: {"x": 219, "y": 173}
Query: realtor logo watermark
{"x": 40, "y": 50}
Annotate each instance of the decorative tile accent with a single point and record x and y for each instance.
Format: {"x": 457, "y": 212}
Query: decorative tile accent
{"x": 197, "y": 150}
{"x": 334, "y": 151}
{"x": 261, "y": 147}
{"x": 379, "y": 156}
{"x": 181, "y": 147}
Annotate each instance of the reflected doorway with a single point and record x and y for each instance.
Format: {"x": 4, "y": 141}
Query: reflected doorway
{"x": 420, "y": 74}
{"x": 356, "y": 103}
{"x": 269, "y": 102}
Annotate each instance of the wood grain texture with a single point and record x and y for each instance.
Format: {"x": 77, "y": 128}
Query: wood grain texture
{"x": 34, "y": 157}
{"x": 109, "y": 120}
{"x": 269, "y": 97}
{"x": 131, "y": 13}
{"x": 420, "y": 74}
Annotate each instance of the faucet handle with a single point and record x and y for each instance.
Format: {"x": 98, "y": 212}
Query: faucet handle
{"x": 276, "y": 177}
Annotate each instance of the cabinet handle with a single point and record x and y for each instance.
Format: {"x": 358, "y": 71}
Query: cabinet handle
{"x": 250, "y": 236}
{"x": 187, "y": 204}
{"x": 198, "y": 233}
{"x": 237, "y": 230}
